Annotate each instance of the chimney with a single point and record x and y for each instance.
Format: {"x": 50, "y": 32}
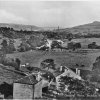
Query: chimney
{"x": 39, "y": 76}
{"x": 61, "y": 67}
{"x": 77, "y": 71}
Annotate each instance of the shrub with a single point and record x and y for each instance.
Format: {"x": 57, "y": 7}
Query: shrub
{"x": 11, "y": 62}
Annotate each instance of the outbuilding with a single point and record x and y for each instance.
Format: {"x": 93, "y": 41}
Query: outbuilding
{"x": 27, "y": 88}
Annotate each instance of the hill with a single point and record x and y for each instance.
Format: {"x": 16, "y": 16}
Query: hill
{"x": 90, "y": 28}
{"x": 21, "y": 27}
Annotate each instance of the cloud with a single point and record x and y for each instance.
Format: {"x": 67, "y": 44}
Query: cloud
{"x": 8, "y": 17}
{"x": 65, "y": 14}
{"x": 47, "y": 17}
{"x": 50, "y": 13}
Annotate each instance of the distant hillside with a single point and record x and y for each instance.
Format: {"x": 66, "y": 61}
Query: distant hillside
{"x": 21, "y": 27}
{"x": 92, "y": 28}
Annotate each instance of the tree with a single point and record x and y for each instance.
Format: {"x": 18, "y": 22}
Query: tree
{"x": 92, "y": 45}
{"x": 11, "y": 46}
{"x": 77, "y": 45}
{"x": 96, "y": 70}
{"x": 24, "y": 46}
{"x": 55, "y": 44}
{"x": 48, "y": 63}
{"x": 70, "y": 36}
{"x": 35, "y": 41}
{"x": 4, "y": 46}
{"x": 76, "y": 86}
{"x": 4, "y": 43}
{"x": 6, "y": 89}
{"x": 2, "y": 56}
{"x": 18, "y": 63}
{"x": 96, "y": 64}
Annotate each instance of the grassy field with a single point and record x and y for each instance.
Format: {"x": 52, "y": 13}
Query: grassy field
{"x": 88, "y": 40}
{"x": 65, "y": 58}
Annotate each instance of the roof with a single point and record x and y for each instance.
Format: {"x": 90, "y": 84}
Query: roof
{"x": 8, "y": 75}
{"x": 81, "y": 68}
{"x": 57, "y": 73}
{"x": 78, "y": 64}
{"x": 30, "y": 79}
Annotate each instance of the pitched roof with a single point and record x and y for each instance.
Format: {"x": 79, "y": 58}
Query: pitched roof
{"x": 9, "y": 75}
{"x": 30, "y": 79}
{"x": 81, "y": 68}
{"x": 57, "y": 73}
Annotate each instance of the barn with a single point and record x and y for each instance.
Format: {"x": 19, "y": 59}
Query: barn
{"x": 27, "y": 88}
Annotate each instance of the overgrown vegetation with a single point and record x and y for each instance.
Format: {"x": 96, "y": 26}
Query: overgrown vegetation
{"x": 48, "y": 63}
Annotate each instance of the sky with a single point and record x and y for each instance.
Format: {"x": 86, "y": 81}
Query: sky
{"x": 49, "y": 13}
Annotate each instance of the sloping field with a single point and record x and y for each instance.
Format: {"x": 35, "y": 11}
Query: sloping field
{"x": 65, "y": 58}
{"x": 31, "y": 57}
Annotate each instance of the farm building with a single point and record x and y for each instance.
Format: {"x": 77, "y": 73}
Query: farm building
{"x": 27, "y": 88}
{"x": 7, "y": 77}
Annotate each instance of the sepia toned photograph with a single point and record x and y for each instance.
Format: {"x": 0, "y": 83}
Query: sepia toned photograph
{"x": 49, "y": 50}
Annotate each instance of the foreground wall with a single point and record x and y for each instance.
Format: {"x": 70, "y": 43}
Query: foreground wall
{"x": 22, "y": 91}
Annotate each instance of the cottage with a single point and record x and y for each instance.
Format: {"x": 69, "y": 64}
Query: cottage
{"x": 27, "y": 88}
{"x": 65, "y": 71}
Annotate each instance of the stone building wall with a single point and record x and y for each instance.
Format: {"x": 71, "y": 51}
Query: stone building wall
{"x": 22, "y": 91}
{"x": 38, "y": 90}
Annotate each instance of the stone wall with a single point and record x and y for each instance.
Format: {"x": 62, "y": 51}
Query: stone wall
{"x": 38, "y": 90}
{"x": 22, "y": 91}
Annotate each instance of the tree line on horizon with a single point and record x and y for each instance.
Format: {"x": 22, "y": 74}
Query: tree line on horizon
{"x": 11, "y": 33}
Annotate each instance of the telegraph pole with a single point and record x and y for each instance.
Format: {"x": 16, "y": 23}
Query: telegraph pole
{"x": 31, "y": 28}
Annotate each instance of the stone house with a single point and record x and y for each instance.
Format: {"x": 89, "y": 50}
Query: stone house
{"x": 27, "y": 88}
{"x": 65, "y": 71}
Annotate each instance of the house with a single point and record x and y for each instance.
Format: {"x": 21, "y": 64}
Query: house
{"x": 65, "y": 71}
{"x": 27, "y": 88}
